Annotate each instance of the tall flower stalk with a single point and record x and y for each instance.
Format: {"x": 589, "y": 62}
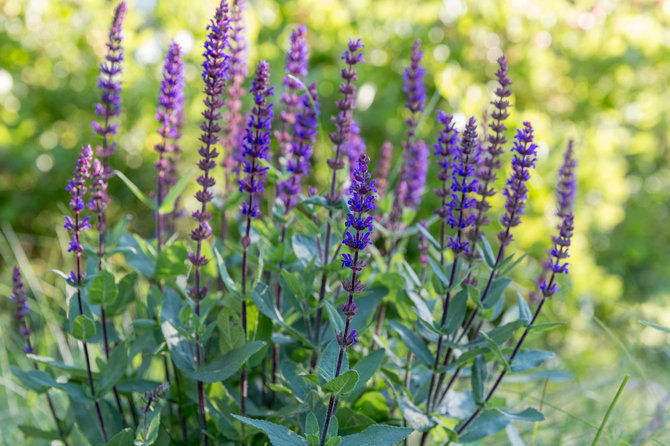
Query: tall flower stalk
{"x": 458, "y": 216}
{"x": 352, "y": 57}
{"x": 78, "y": 187}
{"x": 168, "y": 114}
{"x": 21, "y": 313}
{"x": 357, "y": 238}
{"x": 215, "y": 74}
{"x": 255, "y": 148}
{"x": 516, "y": 193}
{"x": 233, "y": 120}
{"x": 556, "y": 265}
{"x": 297, "y": 165}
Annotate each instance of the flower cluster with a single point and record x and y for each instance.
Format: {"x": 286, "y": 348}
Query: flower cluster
{"x": 384, "y": 160}
{"x": 239, "y": 69}
{"x": 446, "y": 146}
{"x": 355, "y": 147}
{"x": 362, "y": 201}
{"x": 304, "y": 134}
{"x": 345, "y": 105}
{"x": 158, "y": 393}
{"x": 77, "y": 187}
{"x": 257, "y": 140}
{"x": 21, "y": 302}
{"x": 414, "y": 88}
{"x": 98, "y": 194}
{"x": 296, "y": 70}
{"x": 465, "y": 161}
{"x": 559, "y": 253}
{"x": 215, "y": 74}
{"x": 566, "y": 189}
{"x": 491, "y": 162}
{"x": 109, "y": 106}
{"x": 516, "y": 189}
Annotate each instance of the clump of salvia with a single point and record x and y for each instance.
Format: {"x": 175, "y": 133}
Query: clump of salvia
{"x": 273, "y": 314}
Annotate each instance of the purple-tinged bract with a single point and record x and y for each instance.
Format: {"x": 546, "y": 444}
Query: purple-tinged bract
{"x": 464, "y": 184}
{"x": 108, "y": 81}
{"x": 516, "y": 190}
{"x": 257, "y": 140}
{"x": 304, "y": 134}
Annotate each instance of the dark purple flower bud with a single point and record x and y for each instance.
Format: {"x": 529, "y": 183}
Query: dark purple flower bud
{"x": 304, "y": 135}
{"x": 345, "y": 105}
{"x": 108, "y": 81}
{"x": 351, "y": 339}
{"x": 99, "y": 196}
{"x": 233, "y": 119}
{"x": 154, "y": 396}
{"x": 296, "y": 70}
{"x": 215, "y": 74}
{"x": 21, "y": 309}
{"x": 556, "y": 263}
{"x": 463, "y": 186}
{"x": 516, "y": 189}
{"x": 257, "y": 140}
{"x": 413, "y": 77}
{"x": 349, "y": 309}
{"x": 383, "y": 167}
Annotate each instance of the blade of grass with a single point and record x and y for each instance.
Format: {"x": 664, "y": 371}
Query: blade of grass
{"x": 609, "y": 410}
{"x": 623, "y": 347}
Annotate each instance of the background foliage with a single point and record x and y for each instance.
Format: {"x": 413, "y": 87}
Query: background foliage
{"x": 594, "y": 71}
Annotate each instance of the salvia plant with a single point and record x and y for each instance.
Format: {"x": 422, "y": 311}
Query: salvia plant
{"x": 306, "y": 317}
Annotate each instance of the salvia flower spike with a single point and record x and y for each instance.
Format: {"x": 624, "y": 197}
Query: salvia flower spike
{"x": 516, "y": 190}
{"x": 233, "y": 131}
{"x": 304, "y": 135}
{"x": 355, "y": 147}
{"x": 384, "y": 167}
{"x": 110, "y": 104}
{"x": 357, "y": 237}
{"x": 296, "y": 70}
{"x": 21, "y": 310}
{"x": 168, "y": 114}
{"x": 415, "y": 166}
{"x": 444, "y": 149}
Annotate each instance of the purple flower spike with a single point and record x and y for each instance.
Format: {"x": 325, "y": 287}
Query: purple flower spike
{"x": 516, "y": 189}
{"x": 257, "y": 140}
{"x": 22, "y": 310}
{"x": 413, "y": 77}
{"x": 108, "y": 81}
{"x": 444, "y": 149}
{"x": 169, "y": 115}
{"x": 215, "y": 74}
{"x": 98, "y": 201}
{"x": 239, "y": 69}
{"x": 496, "y": 142}
{"x": 304, "y": 134}
{"x": 566, "y": 190}
{"x": 296, "y": 70}
{"x": 77, "y": 187}
{"x": 556, "y": 263}
{"x": 463, "y": 186}
{"x": 384, "y": 166}
{"x": 345, "y": 105}
{"x": 355, "y": 147}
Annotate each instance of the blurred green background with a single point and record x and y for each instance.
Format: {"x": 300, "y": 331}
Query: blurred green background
{"x": 593, "y": 71}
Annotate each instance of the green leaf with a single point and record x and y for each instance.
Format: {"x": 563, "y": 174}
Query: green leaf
{"x": 524, "y": 311}
{"x": 115, "y": 369}
{"x": 231, "y": 334}
{"x": 415, "y": 417}
{"x": 479, "y": 378}
{"x": 486, "y": 424}
{"x": 123, "y": 438}
{"x": 305, "y": 249}
{"x": 141, "y": 255}
{"x": 136, "y": 190}
{"x": 293, "y": 284}
{"x": 181, "y": 351}
{"x": 172, "y": 261}
{"x": 83, "y": 328}
{"x": 495, "y": 292}
{"x": 367, "y": 366}
{"x": 333, "y": 441}
{"x": 125, "y": 295}
{"x": 335, "y": 318}
{"x": 344, "y": 383}
{"x": 31, "y": 431}
{"x": 328, "y": 361}
{"x": 103, "y": 289}
{"x": 529, "y": 414}
{"x": 457, "y": 306}
{"x": 413, "y": 343}
{"x": 544, "y": 326}
{"x": 311, "y": 424}
{"x": 225, "y": 367}
{"x": 489, "y": 257}
{"x": 529, "y": 359}
{"x": 377, "y": 435}
{"x": 439, "y": 273}
{"x": 495, "y": 348}
{"x": 167, "y": 205}
{"x": 429, "y": 237}
{"x": 148, "y": 436}
{"x": 656, "y": 326}
{"x": 278, "y": 435}
{"x": 499, "y": 335}
{"x": 223, "y": 272}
